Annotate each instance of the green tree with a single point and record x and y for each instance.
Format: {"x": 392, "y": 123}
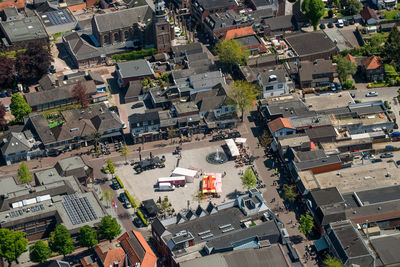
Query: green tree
{"x": 87, "y": 237}
{"x": 351, "y": 7}
{"x": 330, "y": 13}
{"x": 348, "y": 84}
{"x": 125, "y": 152}
{"x": 60, "y": 241}
{"x": 110, "y": 166}
{"x": 344, "y": 68}
{"x": 39, "y": 252}
{"x": 24, "y": 175}
{"x": 306, "y": 224}
{"x": 265, "y": 139}
{"x": 109, "y": 228}
{"x": 289, "y": 193}
{"x": 19, "y": 107}
{"x": 12, "y": 244}
{"x": 96, "y": 139}
{"x": 231, "y": 52}
{"x": 313, "y": 10}
{"x": 249, "y": 179}
{"x": 107, "y": 194}
{"x": 391, "y": 49}
{"x": 244, "y": 95}
{"x": 330, "y": 261}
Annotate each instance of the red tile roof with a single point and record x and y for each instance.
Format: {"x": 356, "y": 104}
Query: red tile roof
{"x": 18, "y": 4}
{"x": 110, "y": 253}
{"x": 279, "y": 124}
{"x": 372, "y": 63}
{"x": 350, "y": 58}
{"x": 137, "y": 249}
{"x": 235, "y": 33}
{"x": 368, "y": 13}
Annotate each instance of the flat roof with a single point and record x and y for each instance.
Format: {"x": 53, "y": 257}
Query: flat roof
{"x": 55, "y": 18}
{"x": 387, "y": 249}
{"x": 379, "y": 195}
{"x": 71, "y": 163}
{"x": 310, "y": 43}
{"x": 328, "y": 101}
{"x": 357, "y": 178}
{"x": 25, "y": 29}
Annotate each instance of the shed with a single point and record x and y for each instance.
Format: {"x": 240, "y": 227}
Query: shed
{"x": 150, "y": 207}
{"x": 188, "y": 173}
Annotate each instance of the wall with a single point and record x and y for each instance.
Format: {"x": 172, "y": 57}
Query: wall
{"x": 326, "y": 168}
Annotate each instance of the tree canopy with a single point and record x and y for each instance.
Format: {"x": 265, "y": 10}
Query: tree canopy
{"x": 80, "y": 95}
{"x": 87, "y": 237}
{"x": 19, "y": 107}
{"x": 109, "y": 228}
{"x": 125, "y": 152}
{"x": 24, "y": 175}
{"x": 244, "y": 95}
{"x": 391, "y": 49}
{"x": 249, "y": 179}
{"x": 345, "y": 68}
{"x": 3, "y": 120}
{"x": 330, "y": 261}
{"x": 306, "y": 224}
{"x": 289, "y": 193}
{"x": 60, "y": 241}
{"x": 12, "y": 244}
{"x": 313, "y": 10}
{"x": 7, "y": 72}
{"x": 39, "y": 252}
{"x": 351, "y": 7}
{"x": 231, "y": 52}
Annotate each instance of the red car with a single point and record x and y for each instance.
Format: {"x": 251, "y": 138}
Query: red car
{"x": 396, "y": 139}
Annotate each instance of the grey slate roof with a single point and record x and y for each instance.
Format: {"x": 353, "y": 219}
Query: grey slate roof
{"x": 268, "y": 75}
{"x": 25, "y": 29}
{"x": 135, "y": 68}
{"x": 387, "y": 249}
{"x": 80, "y": 48}
{"x": 122, "y": 19}
{"x": 47, "y": 82}
{"x": 14, "y": 143}
{"x": 208, "y": 4}
{"x": 41, "y": 126}
{"x": 310, "y": 43}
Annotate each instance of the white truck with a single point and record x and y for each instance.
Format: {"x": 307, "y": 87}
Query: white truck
{"x": 165, "y": 187}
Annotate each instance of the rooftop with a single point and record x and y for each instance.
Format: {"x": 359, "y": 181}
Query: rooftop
{"x": 135, "y": 68}
{"x": 25, "y": 29}
{"x": 239, "y": 32}
{"x": 328, "y": 101}
{"x": 273, "y": 76}
{"x": 308, "y": 69}
{"x": 211, "y": 4}
{"x": 357, "y": 178}
{"x": 310, "y": 43}
{"x": 279, "y": 124}
{"x": 386, "y": 248}
{"x": 248, "y": 40}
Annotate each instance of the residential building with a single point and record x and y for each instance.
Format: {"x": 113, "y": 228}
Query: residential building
{"x": 133, "y": 91}
{"x": 277, "y": 26}
{"x": 311, "y": 46}
{"x": 318, "y": 73}
{"x": 54, "y": 200}
{"x": 252, "y": 43}
{"x": 19, "y": 146}
{"x": 105, "y": 254}
{"x": 18, "y": 4}
{"x": 368, "y": 15}
{"x": 200, "y": 9}
{"x": 133, "y": 70}
{"x": 75, "y": 166}
{"x": 55, "y": 19}
{"x": 273, "y": 82}
{"x": 346, "y": 243}
{"x": 216, "y": 229}
{"x": 58, "y": 263}
{"x": 281, "y": 127}
{"x": 137, "y": 250}
{"x": 145, "y": 126}
{"x": 18, "y": 33}
{"x": 373, "y": 68}
{"x": 263, "y": 4}
{"x": 10, "y": 14}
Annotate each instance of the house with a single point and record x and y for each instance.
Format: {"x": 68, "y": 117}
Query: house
{"x": 10, "y": 14}
{"x": 57, "y": 97}
{"x": 383, "y": 4}
{"x": 133, "y": 91}
{"x": 133, "y": 70}
{"x": 263, "y": 4}
{"x": 145, "y": 125}
{"x": 368, "y": 15}
{"x": 280, "y": 127}
{"x": 58, "y": 263}
{"x": 273, "y": 82}
{"x": 137, "y": 250}
{"x": 105, "y": 254}
{"x": 318, "y": 73}
{"x": 200, "y": 9}
{"x": 55, "y": 19}
{"x": 252, "y": 43}
{"x": 18, "y": 4}
{"x": 277, "y": 26}
{"x": 240, "y": 32}
{"x": 19, "y": 146}
{"x": 373, "y": 68}
{"x": 182, "y": 237}
{"x": 311, "y": 45}
{"x": 346, "y": 243}
{"x": 385, "y": 248}
{"x": 18, "y": 33}
{"x": 74, "y": 166}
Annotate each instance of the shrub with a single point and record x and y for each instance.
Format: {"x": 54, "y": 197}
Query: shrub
{"x": 348, "y": 84}
{"x": 141, "y": 216}
{"x": 135, "y": 54}
{"x": 330, "y": 13}
{"x": 131, "y": 199}
{"x": 119, "y": 181}
{"x": 387, "y": 105}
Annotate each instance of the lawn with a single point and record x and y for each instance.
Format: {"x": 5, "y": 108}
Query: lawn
{"x": 391, "y": 14}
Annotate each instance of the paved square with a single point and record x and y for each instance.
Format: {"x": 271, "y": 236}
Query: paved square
{"x": 143, "y": 185}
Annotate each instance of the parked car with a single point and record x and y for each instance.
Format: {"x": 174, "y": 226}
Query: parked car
{"x": 352, "y": 22}
{"x": 115, "y": 184}
{"x": 371, "y": 94}
{"x": 395, "y": 134}
{"x": 330, "y": 25}
{"x": 233, "y": 135}
{"x": 124, "y": 200}
{"x": 386, "y": 155}
{"x": 346, "y": 23}
{"x": 217, "y": 137}
{"x": 338, "y": 86}
{"x": 340, "y": 23}
{"x": 353, "y": 95}
{"x": 376, "y": 160}
{"x": 52, "y": 69}
{"x": 3, "y": 94}
{"x": 137, "y": 105}
{"x": 396, "y": 139}
{"x": 6, "y": 107}
{"x": 332, "y": 87}
{"x": 322, "y": 26}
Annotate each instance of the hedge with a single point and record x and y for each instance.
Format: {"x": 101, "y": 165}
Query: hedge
{"x": 140, "y": 214}
{"x": 135, "y": 54}
{"x": 130, "y": 198}
{"x": 119, "y": 181}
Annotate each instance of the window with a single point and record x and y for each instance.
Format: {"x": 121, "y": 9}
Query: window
{"x": 106, "y": 39}
{"x": 280, "y": 86}
{"x": 117, "y": 37}
{"x": 126, "y": 35}
{"x": 226, "y": 109}
{"x": 267, "y": 88}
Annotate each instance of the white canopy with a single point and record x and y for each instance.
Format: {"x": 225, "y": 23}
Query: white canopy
{"x": 232, "y": 147}
{"x": 184, "y": 172}
{"x": 240, "y": 140}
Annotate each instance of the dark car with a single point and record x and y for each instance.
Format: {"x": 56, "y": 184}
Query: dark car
{"x": 352, "y": 22}
{"x": 330, "y": 25}
{"x": 346, "y": 23}
{"x": 52, "y": 69}
{"x": 114, "y": 184}
{"x": 376, "y": 160}
{"x": 353, "y": 95}
{"x": 322, "y": 26}
{"x": 217, "y": 137}
{"x": 137, "y": 105}
{"x": 386, "y": 155}
{"x": 233, "y": 135}
{"x": 338, "y": 86}
{"x": 124, "y": 200}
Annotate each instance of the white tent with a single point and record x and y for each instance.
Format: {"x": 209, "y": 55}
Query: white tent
{"x": 188, "y": 173}
{"x": 232, "y": 147}
{"x": 240, "y": 140}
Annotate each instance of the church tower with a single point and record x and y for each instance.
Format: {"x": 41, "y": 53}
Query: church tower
{"x": 162, "y": 28}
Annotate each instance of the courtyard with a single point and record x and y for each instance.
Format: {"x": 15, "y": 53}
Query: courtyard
{"x": 143, "y": 186}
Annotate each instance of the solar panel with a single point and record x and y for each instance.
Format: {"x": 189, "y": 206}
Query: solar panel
{"x": 79, "y": 210}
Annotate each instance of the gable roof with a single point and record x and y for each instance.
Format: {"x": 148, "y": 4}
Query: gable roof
{"x": 135, "y": 68}
{"x": 80, "y": 48}
{"x": 12, "y": 3}
{"x": 13, "y": 143}
{"x": 279, "y": 124}
{"x": 109, "y": 253}
{"x": 235, "y": 33}
{"x": 373, "y": 62}
{"x": 137, "y": 249}
{"x": 350, "y": 58}
{"x": 122, "y": 19}
{"x": 368, "y": 13}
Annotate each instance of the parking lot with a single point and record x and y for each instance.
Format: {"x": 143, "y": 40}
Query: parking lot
{"x": 143, "y": 185}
